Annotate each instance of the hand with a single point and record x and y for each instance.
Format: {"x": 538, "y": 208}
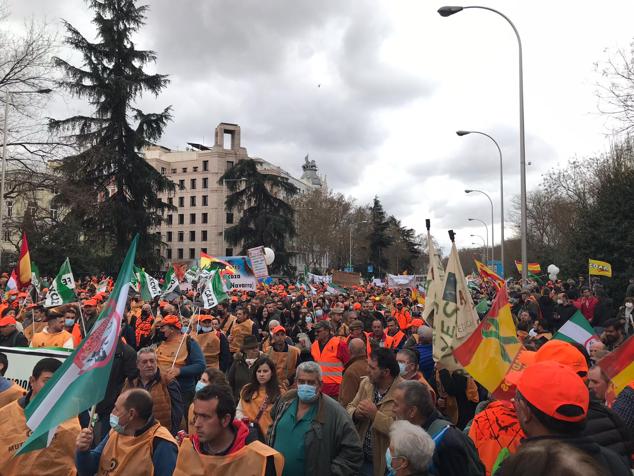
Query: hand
{"x": 441, "y": 403}
{"x": 84, "y": 439}
{"x": 173, "y": 373}
{"x": 368, "y": 409}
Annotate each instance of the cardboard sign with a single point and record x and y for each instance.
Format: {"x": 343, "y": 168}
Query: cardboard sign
{"x": 23, "y": 359}
{"x": 346, "y": 280}
{"x": 258, "y": 262}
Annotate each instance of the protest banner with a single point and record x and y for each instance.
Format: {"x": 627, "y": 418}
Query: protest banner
{"x": 346, "y": 280}
{"x": 23, "y": 359}
{"x": 244, "y": 278}
{"x": 258, "y": 262}
{"x": 401, "y": 281}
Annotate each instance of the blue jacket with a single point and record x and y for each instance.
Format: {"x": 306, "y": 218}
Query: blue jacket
{"x": 193, "y": 368}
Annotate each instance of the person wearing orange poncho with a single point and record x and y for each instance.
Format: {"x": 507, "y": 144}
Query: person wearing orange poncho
{"x": 53, "y": 335}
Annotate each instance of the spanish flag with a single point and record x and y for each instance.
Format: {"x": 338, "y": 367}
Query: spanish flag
{"x": 490, "y": 351}
{"x": 489, "y": 275}
{"x": 599, "y": 268}
{"x": 618, "y": 365}
{"x": 532, "y": 267}
{"x": 23, "y": 271}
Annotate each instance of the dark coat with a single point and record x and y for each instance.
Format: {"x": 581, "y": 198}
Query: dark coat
{"x": 352, "y": 373}
{"x": 123, "y": 367}
{"x": 606, "y": 428}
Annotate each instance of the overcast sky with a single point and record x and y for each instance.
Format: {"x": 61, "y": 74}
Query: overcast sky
{"x": 375, "y": 90}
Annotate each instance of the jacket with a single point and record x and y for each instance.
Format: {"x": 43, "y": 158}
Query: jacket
{"x": 606, "y": 428}
{"x": 15, "y": 339}
{"x": 123, "y": 367}
{"x": 354, "y": 371}
{"x": 380, "y": 426}
{"x": 239, "y": 375}
{"x": 623, "y": 406}
{"x": 332, "y": 444}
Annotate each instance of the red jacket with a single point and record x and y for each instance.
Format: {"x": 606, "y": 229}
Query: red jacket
{"x": 586, "y": 306}
{"x": 242, "y": 431}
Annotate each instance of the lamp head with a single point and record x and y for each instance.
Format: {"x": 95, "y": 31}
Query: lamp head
{"x": 468, "y": 191}
{"x": 44, "y": 91}
{"x": 463, "y": 133}
{"x": 470, "y": 219}
{"x": 448, "y": 11}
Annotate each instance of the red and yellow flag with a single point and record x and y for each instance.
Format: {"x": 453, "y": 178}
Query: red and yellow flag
{"x": 489, "y": 275}
{"x": 23, "y": 270}
{"x": 489, "y": 352}
{"x": 619, "y": 365}
{"x": 532, "y": 267}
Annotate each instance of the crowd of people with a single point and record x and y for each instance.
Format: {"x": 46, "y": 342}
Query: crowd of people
{"x": 291, "y": 380}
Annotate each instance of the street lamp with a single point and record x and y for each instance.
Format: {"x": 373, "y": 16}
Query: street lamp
{"x": 475, "y": 244}
{"x": 485, "y": 227}
{"x": 7, "y": 99}
{"x": 492, "y": 226}
{"x": 464, "y": 133}
{"x": 224, "y": 208}
{"x": 450, "y": 10}
{"x": 350, "y": 261}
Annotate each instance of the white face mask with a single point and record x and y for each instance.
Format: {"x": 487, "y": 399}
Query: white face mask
{"x": 560, "y": 301}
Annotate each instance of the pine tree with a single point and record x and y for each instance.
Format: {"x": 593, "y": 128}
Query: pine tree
{"x": 379, "y": 237}
{"x": 266, "y": 216}
{"x": 112, "y": 191}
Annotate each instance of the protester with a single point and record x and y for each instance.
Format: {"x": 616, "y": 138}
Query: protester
{"x": 408, "y": 366}
{"x": 402, "y": 315}
{"x": 354, "y": 371}
{"x": 242, "y": 327}
{"x": 9, "y": 335}
{"x": 598, "y": 383}
{"x": 398, "y": 336}
{"x": 457, "y": 396}
{"x": 9, "y": 391}
{"x": 166, "y": 394}
{"x": 312, "y": 431}
{"x": 137, "y": 440}
{"x": 613, "y": 334}
{"x": 53, "y": 335}
{"x": 379, "y": 338}
{"x": 55, "y": 459}
{"x": 284, "y": 356}
{"x": 410, "y": 451}
{"x": 208, "y": 340}
{"x": 35, "y": 323}
{"x": 331, "y": 353}
{"x": 240, "y": 372}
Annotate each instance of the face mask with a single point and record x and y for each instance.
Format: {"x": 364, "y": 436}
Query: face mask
{"x": 69, "y": 322}
{"x": 319, "y": 313}
{"x": 200, "y": 385}
{"x": 403, "y": 368}
{"x": 560, "y": 301}
{"x": 114, "y": 424}
{"x": 629, "y": 305}
{"x": 309, "y": 319}
{"x": 206, "y": 328}
{"x": 250, "y": 361}
{"x": 388, "y": 462}
{"x": 306, "y": 393}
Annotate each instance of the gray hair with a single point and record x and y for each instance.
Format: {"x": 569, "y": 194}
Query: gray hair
{"x": 309, "y": 367}
{"x": 417, "y": 395}
{"x": 273, "y": 323}
{"x": 412, "y": 443}
{"x": 426, "y": 333}
{"x": 146, "y": 350}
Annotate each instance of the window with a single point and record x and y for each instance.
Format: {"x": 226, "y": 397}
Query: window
{"x": 169, "y": 253}
{"x": 229, "y": 252}
{"x": 169, "y": 219}
{"x": 184, "y": 170}
{"x": 181, "y": 201}
{"x": 205, "y": 200}
{"x": 192, "y": 201}
{"x": 203, "y": 235}
{"x": 195, "y": 169}
{"x": 181, "y": 219}
{"x": 203, "y": 250}
{"x": 9, "y": 208}
{"x": 229, "y": 218}
{"x": 180, "y": 253}
{"x": 192, "y": 184}
{"x": 229, "y": 164}
{"x": 192, "y": 235}
{"x": 173, "y": 171}
{"x": 169, "y": 237}
{"x": 205, "y": 165}
{"x": 192, "y": 253}
{"x": 181, "y": 184}
{"x": 204, "y": 218}
{"x": 170, "y": 201}
{"x": 181, "y": 236}
{"x": 205, "y": 182}
{"x": 192, "y": 218}
{"x": 163, "y": 170}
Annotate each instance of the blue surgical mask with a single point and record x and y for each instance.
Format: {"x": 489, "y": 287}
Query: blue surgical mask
{"x": 402, "y": 368}
{"x": 69, "y": 322}
{"x": 114, "y": 424}
{"x": 309, "y": 319}
{"x": 206, "y": 328}
{"x": 184, "y": 330}
{"x": 391, "y": 471}
{"x": 200, "y": 385}
{"x": 306, "y": 393}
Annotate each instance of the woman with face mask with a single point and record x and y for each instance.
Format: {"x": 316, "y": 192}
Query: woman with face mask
{"x": 411, "y": 450}
{"x": 626, "y": 314}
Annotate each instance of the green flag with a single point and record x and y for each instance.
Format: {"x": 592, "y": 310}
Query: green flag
{"x": 35, "y": 277}
{"x": 213, "y": 293}
{"x": 577, "y": 329}
{"x": 171, "y": 284}
{"x": 62, "y": 291}
{"x": 82, "y": 379}
{"x": 149, "y": 286}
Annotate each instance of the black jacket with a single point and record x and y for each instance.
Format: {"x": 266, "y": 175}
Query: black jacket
{"x": 15, "y": 339}
{"x": 606, "y": 428}
{"x": 123, "y": 367}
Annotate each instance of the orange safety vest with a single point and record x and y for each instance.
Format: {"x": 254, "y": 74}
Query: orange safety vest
{"x": 396, "y": 340}
{"x": 331, "y": 366}
{"x": 124, "y": 454}
{"x": 44, "y": 339}
{"x": 29, "y": 332}
{"x": 285, "y": 363}
{"x": 58, "y": 458}
{"x": 239, "y": 331}
{"x": 403, "y": 318}
{"x": 249, "y": 460}
{"x": 11, "y": 394}
{"x": 166, "y": 352}
{"x": 209, "y": 343}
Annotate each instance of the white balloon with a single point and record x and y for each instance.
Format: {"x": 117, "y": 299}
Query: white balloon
{"x": 269, "y": 256}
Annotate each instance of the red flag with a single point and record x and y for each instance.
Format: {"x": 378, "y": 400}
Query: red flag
{"x": 23, "y": 270}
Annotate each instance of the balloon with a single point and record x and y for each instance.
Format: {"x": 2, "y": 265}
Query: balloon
{"x": 553, "y": 271}
{"x": 269, "y": 256}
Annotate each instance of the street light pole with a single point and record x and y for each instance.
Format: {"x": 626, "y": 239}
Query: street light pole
{"x": 463, "y": 133}
{"x": 492, "y": 225}
{"x": 483, "y": 243}
{"x": 448, "y": 11}
{"x": 485, "y": 227}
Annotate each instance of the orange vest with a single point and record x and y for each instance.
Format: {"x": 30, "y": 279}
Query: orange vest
{"x": 403, "y": 318}
{"x": 285, "y": 363}
{"x": 166, "y": 352}
{"x": 238, "y": 332}
{"x": 28, "y": 330}
{"x": 251, "y": 409}
{"x": 210, "y": 345}
{"x": 396, "y": 340}
{"x": 248, "y": 461}
{"x": 43, "y": 339}
{"x": 126, "y": 454}
{"x": 11, "y": 394}
{"x": 162, "y": 408}
{"x": 228, "y": 325}
{"x": 331, "y": 366}
{"x": 57, "y": 459}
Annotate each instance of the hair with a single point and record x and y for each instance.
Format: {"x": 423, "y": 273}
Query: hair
{"x": 272, "y": 324}
{"x": 550, "y": 457}
{"x": 140, "y": 400}
{"x": 378, "y": 320}
{"x": 272, "y": 387}
{"x": 216, "y": 376}
{"x": 426, "y": 334}
{"x": 309, "y": 367}
{"x": 54, "y": 313}
{"x": 224, "y": 395}
{"x": 411, "y": 354}
{"x": 47, "y": 364}
{"x": 558, "y": 427}
{"x": 417, "y": 395}
{"x": 613, "y": 322}
{"x": 391, "y": 319}
{"x": 5, "y": 363}
{"x": 146, "y": 350}
{"x": 412, "y": 443}
{"x": 386, "y": 359}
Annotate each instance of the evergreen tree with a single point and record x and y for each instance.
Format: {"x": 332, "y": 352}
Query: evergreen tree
{"x": 112, "y": 191}
{"x": 379, "y": 236}
{"x": 266, "y": 216}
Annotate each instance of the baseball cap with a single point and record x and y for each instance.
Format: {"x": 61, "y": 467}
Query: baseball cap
{"x": 564, "y": 353}
{"x": 277, "y": 329}
{"x": 170, "y": 320}
{"x": 203, "y": 317}
{"x": 356, "y": 306}
{"x": 7, "y": 321}
{"x": 323, "y": 325}
{"x": 356, "y": 324}
{"x": 556, "y": 390}
{"x": 90, "y": 302}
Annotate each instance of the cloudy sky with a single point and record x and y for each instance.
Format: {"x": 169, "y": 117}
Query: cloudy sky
{"x": 375, "y": 90}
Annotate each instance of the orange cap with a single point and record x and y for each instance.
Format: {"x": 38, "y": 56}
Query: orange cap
{"x": 204, "y": 317}
{"x": 277, "y": 329}
{"x": 416, "y": 323}
{"x": 171, "y": 320}
{"x": 90, "y": 302}
{"x": 356, "y": 306}
{"x": 556, "y": 390}
{"x": 564, "y": 353}
{"x": 7, "y": 321}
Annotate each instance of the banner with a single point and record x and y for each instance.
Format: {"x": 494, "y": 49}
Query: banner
{"x": 599, "y": 268}
{"x": 258, "y": 262}
{"x": 532, "y": 267}
{"x": 434, "y": 283}
{"x": 401, "y": 281}
{"x": 243, "y": 279}
{"x": 318, "y": 279}
{"x": 23, "y": 359}
{"x": 346, "y": 280}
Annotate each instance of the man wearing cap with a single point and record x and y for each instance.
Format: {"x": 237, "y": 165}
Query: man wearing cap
{"x": 397, "y": 335}
{"x": 9, "y": 391}
{"x": 357, "y": 332}
{"x": 179, "y": 357}
{"x": 340, "y": 328}
{"x": 90, "y": 313}
{"x": 331, "y": 353}
{"x": 53, "y": 335}
{"x": 9, "y": 335}
{"x": 208, "y": 340}
{"x": 558, "y": 411}
{"x": 401, "y": 315}
{"x": 284, "y": 356}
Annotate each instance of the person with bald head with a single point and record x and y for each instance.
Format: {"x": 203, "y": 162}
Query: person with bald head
{"x": 354, "y": 371}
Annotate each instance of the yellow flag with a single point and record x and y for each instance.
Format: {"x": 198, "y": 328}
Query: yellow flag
{"x": 599, "y": 268}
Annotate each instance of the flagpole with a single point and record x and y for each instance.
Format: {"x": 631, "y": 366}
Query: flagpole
{"x": 179, "y": 347}
{"x": 81, "y": 317}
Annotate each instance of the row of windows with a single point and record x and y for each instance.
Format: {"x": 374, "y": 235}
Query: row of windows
{"x": 192, "y": 201}
{"x": 204, "y": 218}
{"x": 181, "y": 183}
{"x": 180, "y": 236}
{"x": 180, "y": 253}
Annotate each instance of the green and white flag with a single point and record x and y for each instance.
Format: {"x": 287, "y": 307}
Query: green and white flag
{"x": 35, "y": 277}
{"x": 214, "y": 292}
{"x": 171, "y": 284}
{"x": 577, "y": 329}
{"x": 62, "y": 291}
{"x": 192, "y": 274}
{"x": 149, "y": 286}
{"x": 82, "y": 379}
{"x": 102, "y": 287}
